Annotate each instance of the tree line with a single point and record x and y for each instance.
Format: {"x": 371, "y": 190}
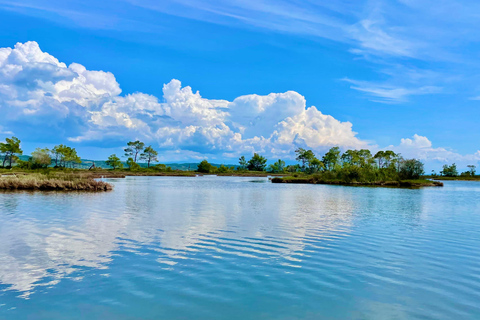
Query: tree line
{"x": 358, "y": 165}
{"x": 351, "y": 164}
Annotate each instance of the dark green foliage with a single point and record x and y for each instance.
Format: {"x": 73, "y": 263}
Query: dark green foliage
{"x": 449, "y": 171}
{"x": 205, "y": 167}
{"x": 133, "y": 149}
{"x": 222, "y": 169}
{"x": 411, "y": 169}
{"x": 257, "y": 163}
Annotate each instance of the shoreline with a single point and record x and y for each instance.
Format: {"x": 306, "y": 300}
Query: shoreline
{"x": 393, "y": 184}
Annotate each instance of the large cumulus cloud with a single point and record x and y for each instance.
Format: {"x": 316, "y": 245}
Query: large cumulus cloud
{"x": 41, "y": 97}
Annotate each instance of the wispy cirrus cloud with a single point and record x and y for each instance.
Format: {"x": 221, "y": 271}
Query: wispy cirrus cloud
{"x": 392, "y": 36}
{"x": 386, "y": 93}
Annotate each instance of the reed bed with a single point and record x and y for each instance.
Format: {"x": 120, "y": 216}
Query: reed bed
{"x": 57, "y": 181}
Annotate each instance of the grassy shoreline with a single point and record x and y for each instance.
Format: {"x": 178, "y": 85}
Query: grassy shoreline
{"x": 460, "y": 178}
{"x": 56, "y": 181}
{"x": 398, "y": 184}
{"x": 87, "y": 180}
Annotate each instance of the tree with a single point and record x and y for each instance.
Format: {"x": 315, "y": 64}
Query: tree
{"x": 315, "y": 165}
{"x": 10, "y": 148}
{"x": 449, "y": 171}
{"x": 305, "y": 157}
{"x": 56, "y": 152}
{"x": 277, "y": 167}
{"x": 257, "y": 163}
{"x": 114, "y": 162}
{"x": 204, "y": 167}
{"x": 41, "y": 158}
{"x": 149, "y": 154}
{"x": 68, "y": 156}
{"x": 472, "y": 169}
{"x": 331, "y": 159}
{"x": 133, "y": 149}
{"x": 132, "y": 165}
{"x": 411, "y": 169}
{"x": 242, "y": 162}
{"x": 222, "y": 169}
{"x": 385, "y": 158}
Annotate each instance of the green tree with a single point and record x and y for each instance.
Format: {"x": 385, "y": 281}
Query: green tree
{"x": 472, "y": 169}
{"x": 257, "y": 163}
{"x": 304, "y": 157}
{"x": 277, "y": 167}
{"x": 114, "y": 162}
{"x": 41, "y": 158}
{"x": 449, "y": 171}
{"x": 149, "y": 154}
{"x": 10, "y": 149}
{"x": 68, "y": 156}
{"x": 331, "y": 159}
{"x": 223, "y": 169}
{"x": 242, "y": 162}
{"x": 315, "y": 165}
{"x": 56, "y": 153}
{"x": 132, "y": 165}
{"x": 385, "y": 158}
{"x": 133, "y": 149}
{"x": 411, "y": 169}
{"x": 204, "y": 167}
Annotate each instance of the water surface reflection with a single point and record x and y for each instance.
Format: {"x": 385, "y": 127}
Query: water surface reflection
{"x": 197, "y": 242}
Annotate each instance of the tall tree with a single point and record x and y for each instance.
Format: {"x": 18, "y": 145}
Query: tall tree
{"x": 149, "y": 154}
{"x": 10, "y": 148}
{"x": 332, "y": 158}
{"x": 472, "y": 169}
{"x": 385, "y": 158}
{"x": 242, "y": 162}
{"x": 133, "y": 149}
{"x": 305, "y": 157}
{"x": 257, "y": 163}
{"x": 277, "y": 167}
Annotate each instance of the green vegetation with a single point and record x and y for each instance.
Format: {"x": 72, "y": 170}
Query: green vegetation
{"x": 450, "y": 172}
{"x": 350, "y": 167}
{"x": 114, "y": 162}
{"x": 9, "y": 150}
{"x": 356, "y": 167}
{"x": 133, "y": 149}
{"x": 257, "y": 163}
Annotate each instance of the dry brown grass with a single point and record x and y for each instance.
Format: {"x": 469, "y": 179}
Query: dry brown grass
{"x": 39, "y": 181}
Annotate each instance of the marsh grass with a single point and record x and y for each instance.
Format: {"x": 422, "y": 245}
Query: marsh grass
{"x": 52, "y": 181}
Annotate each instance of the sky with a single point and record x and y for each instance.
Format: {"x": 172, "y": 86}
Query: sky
{"x": 219, "y": 79}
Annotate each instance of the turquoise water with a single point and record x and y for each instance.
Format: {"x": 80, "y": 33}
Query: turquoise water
{"x": 229, "y": 248}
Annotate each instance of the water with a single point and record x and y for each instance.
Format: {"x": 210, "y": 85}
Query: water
{"x": 228, "y": 248}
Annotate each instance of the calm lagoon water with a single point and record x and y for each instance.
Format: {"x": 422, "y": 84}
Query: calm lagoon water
{"x": 241, "y": 248}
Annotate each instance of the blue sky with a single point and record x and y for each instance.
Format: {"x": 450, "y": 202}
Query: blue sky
{"x": 381, "y": 74}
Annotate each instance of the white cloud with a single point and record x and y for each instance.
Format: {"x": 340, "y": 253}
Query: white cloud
{"x": 420, "y": 147}
{"x": 42, "y": 96}
{"x": 387, "y": 93}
